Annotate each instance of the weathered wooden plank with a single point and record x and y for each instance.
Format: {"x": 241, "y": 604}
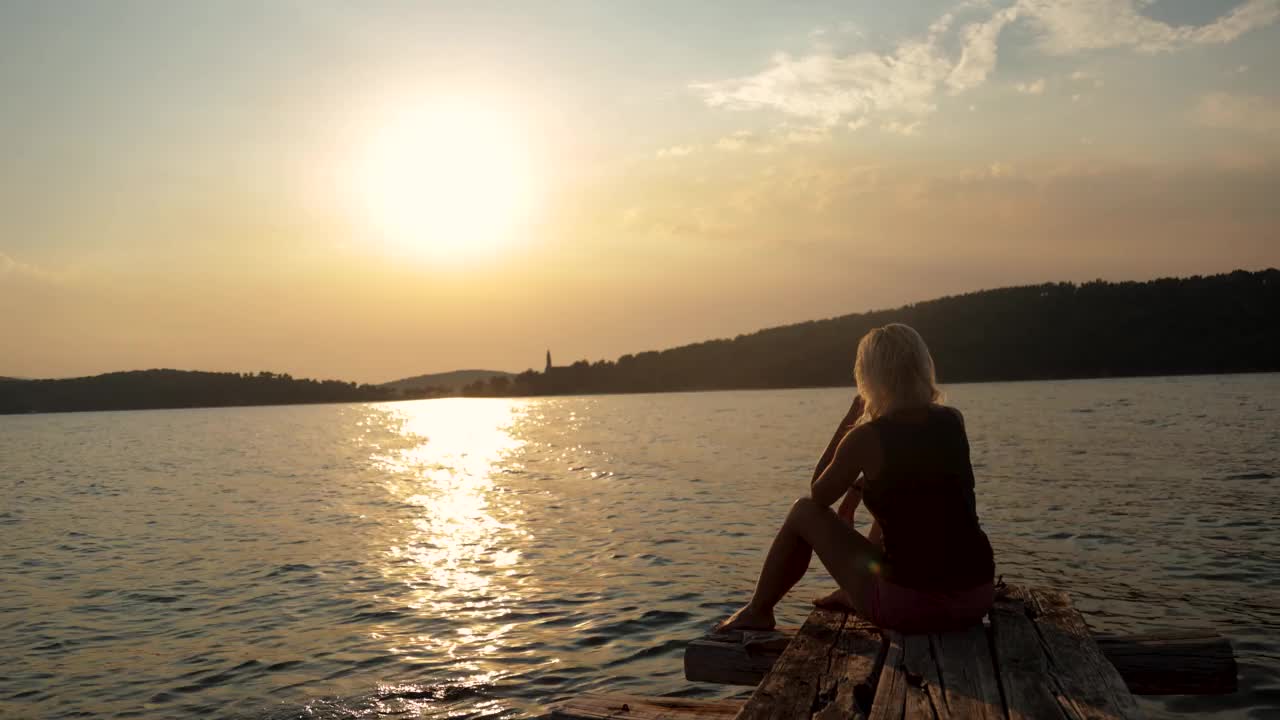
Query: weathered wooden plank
{"x": 1090, "y": 687}
{"x": 918, "y": 706}
{"x": 633, "y": 707}
{"x": 1172, "y": 663}
{"x": 968, "y": 674}
{"x": 734, "y": 658}
{"x": 847, "y": 685}
{"x": 891, "y": 691}
{"x": 923, "y": 675}
{"x": 791, "y": 687}
{"x": 926, "y": 697}
{"x": 1022, "y": 665}
{"x": 716, "y": 660}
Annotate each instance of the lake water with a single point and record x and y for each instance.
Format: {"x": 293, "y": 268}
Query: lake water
{"x": 481, "y": 558}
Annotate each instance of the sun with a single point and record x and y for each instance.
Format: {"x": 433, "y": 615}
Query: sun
{"x": 448, "y": 180}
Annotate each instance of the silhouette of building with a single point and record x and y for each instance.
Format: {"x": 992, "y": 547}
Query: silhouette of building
{"x": 549, "y": 366}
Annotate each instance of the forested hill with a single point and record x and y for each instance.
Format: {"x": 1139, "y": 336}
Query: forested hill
{"x": 446, "y": 382}
{"x": 147, "y": 389}
{"x": 1218, "y": 324}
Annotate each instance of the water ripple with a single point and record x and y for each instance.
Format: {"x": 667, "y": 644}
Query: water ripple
{"x": 483, "y": 558}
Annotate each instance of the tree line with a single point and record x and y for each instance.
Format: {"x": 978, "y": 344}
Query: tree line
{"x": 1217, "y": 324}
{"x": 1203, "y": 324}
{"x": 153, "y": 389}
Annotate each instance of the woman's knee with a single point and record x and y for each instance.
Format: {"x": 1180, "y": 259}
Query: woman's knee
{"x": 803, "y": 509}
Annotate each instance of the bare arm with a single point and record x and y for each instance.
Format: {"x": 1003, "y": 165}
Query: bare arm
{"x": 846, "y": 465}
{"x": 855, "y": 410}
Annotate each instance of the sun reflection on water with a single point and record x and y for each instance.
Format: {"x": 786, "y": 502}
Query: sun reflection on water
{"x": 459, "y": 553}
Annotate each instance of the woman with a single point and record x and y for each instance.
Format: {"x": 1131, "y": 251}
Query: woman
{"x": 907, "y": 458}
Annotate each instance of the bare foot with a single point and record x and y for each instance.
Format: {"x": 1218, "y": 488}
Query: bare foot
{"x": 749, "y": 618}
{"x": 838, "y": 600}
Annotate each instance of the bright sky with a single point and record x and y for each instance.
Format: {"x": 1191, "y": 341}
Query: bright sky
{"x": 370, "y": 190}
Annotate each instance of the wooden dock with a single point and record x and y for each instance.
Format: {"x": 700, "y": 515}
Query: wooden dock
{"x": 1034, "y": 658}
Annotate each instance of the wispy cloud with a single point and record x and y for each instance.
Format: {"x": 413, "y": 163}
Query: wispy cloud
{"x": 1082, "y": 76}
{"x": 676, "y": 151}
{"x": 978, "y": 58}
{"x": 745, "y": 141}
{"x": 805, "y": 134}
{"x": 1069, "y": 26}
{"x": 13, "y": 268}
{"x": 1250, "y": 113}
{"x": 898, "y": 127}
{"x": 1036, "y": 87}
{"x": 9, "y": 266}
{"x": 828, "y": 89}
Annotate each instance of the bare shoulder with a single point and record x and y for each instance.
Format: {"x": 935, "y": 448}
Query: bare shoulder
{"x": 861, "y": 438}
{"x": 860, "y": 450}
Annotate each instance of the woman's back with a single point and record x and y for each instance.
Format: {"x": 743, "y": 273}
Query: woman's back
{"x": 923, "y": 498}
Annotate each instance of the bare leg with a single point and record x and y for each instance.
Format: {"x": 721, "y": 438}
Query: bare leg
{"x": 809, "y": 528}
{"x": 838, "y": 599}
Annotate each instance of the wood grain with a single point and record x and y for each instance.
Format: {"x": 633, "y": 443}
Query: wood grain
{"x": 791, "y": 687}
{"x": 891, "y": 691}
{"x": 1089, "y": 686}
{"x": 1022, "y": 665}
{"x": 968, "y": 674}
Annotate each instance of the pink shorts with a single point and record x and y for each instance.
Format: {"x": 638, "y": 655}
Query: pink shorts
{"x": 906, "y": 610}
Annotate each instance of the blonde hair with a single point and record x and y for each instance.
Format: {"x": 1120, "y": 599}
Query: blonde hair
{"x": 894, "y": 370}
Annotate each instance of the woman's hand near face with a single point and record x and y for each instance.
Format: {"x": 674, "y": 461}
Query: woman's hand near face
{"x": 855, "y": 411}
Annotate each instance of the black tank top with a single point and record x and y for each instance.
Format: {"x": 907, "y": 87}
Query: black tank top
{"x": 923, "y": 499}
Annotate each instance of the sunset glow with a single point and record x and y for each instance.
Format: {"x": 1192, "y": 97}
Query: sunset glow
{"x": 447, "y": 180}
{"x": 423, "y": 187}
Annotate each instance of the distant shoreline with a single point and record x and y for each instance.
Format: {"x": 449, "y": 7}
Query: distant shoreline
{"x": 1216, "y": 325}
{"x": 850, "y": 387}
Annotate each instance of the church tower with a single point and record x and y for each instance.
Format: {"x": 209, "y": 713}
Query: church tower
{"x": 548, "y": 360}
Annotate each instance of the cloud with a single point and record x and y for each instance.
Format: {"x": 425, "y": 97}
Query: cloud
{"x": 1246, "y": 17}
{"x": 826, "y": 88}
{"x": 1070, "y": 26}
{"x": 898, "y": 127}
{"x": 997, "y": 170}
{"x": 1032, "y": 88}
{"x": 1248, "y": 113}
{"x": 676, "y": 151}
{"x": 805, "y": 134}
{"x": 736, "y": 141}
{"x": 773, "y": 140}
{"x": 745, "y": 141}
{"x": 1082, "y": 76}
{"x": 25, "y": 272}
{"x": 9, "y": 266}
{"x": 978, "y": 58}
